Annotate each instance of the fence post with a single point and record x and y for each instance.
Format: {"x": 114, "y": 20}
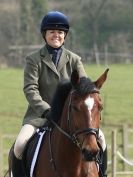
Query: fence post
{"x": 125, "y": 143}
{"x": 0, "y": 156}
{"x": 114, "y": 146}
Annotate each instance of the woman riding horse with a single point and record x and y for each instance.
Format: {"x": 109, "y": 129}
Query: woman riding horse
{"x": 72, "y": 148}
{"x": 43, "y": 71}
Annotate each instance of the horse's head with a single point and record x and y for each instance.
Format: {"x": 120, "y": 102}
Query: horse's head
{"x": 82, "y": 113}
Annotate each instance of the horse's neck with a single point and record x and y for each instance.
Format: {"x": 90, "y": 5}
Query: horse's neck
{"x": 64, "y": 147}
{"x": 68, "y": 157}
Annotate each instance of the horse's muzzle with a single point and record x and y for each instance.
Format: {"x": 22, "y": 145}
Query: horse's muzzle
{"x": 90, "y": 155}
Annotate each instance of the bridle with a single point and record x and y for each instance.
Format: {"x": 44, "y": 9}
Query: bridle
{"x": 74, "y": 136}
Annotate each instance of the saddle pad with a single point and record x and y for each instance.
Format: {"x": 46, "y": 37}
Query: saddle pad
{"x": 31, "y": 152}
{"x": 33, "y": 163}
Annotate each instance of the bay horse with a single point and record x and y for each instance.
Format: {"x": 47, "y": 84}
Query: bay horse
{"x": 70, "y": 148}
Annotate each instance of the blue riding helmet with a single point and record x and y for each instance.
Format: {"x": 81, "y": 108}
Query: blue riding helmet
{"x": 55, "y": 20}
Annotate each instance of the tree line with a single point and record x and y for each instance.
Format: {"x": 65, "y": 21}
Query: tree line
{"x": 95, "y": 24}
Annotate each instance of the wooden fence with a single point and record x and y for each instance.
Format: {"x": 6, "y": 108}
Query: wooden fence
{"x": 17, "y": 54}
{"x": 5, "y": 143}
{"x": 118, "y": 161}
{"x": 117, "y": 156}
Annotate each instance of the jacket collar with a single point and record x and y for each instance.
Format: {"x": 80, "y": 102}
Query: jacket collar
{"x": 63, "y": 59}
{"x": 46, "y": 58}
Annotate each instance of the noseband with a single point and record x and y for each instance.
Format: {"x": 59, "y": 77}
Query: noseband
{"x": 89, "y": 156}
{"x": 74, "y": 136}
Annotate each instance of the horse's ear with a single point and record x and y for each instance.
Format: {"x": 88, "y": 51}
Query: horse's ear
{"x": 75, "y": 79}
{"x": 99, "y": 82}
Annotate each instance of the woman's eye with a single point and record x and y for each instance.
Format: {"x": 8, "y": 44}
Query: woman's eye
{"x": 61, "y": 32}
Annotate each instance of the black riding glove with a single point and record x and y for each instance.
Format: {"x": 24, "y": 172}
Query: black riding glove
{"x": 46, "y": 114}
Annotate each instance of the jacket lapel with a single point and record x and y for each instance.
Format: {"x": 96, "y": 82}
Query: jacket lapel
{"x": 63, "y": 59}
{"x": 46, "y": 58}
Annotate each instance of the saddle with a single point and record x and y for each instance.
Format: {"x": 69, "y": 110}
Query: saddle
{"x": 32, "y": 150}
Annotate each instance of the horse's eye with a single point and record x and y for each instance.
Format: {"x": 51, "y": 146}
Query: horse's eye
{"x": 75, "y": 108}
{"x": 100, "y": 108}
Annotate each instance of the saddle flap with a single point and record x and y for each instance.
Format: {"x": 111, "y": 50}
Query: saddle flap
{"x": 31, "y": 152}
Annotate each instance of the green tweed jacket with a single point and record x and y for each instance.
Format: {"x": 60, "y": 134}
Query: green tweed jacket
{"x": 41, "y": 78}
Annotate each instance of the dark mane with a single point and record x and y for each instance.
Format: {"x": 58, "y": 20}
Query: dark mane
{"x": 83, "y": 87}
{"x": 59, "y": 98}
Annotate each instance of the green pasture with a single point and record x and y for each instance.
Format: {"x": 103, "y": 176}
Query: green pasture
{"x": 117, "y": 96}
{"x": 116, "y": 93}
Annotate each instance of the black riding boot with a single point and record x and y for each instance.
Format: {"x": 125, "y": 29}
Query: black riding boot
{"x": 103, "y": 165}
{"x": 16, "y": 167}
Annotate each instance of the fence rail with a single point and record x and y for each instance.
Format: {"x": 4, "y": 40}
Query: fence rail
{"x": 18, "y": 53}
{"x": 4, "y": 152}
{"x": 117, "y": 154}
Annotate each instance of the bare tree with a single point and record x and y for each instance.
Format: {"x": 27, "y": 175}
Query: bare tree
{"x": 92, "y": 10}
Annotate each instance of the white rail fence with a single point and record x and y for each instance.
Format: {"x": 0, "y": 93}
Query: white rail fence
{"x": 5, "y": 142}
{"x": 18, "y": 53}
{"x": 117, "y": 155}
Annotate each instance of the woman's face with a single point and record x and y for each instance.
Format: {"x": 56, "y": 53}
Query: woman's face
{"x": 55, "y": 38}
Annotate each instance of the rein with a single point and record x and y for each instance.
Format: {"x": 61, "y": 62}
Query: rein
{"x": 72, "y": 136}
{"x": 74, "y": 139}
{"x": 86, "y": 131}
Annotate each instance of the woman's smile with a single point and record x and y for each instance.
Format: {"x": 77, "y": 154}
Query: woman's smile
{"x": 55, "y": 38}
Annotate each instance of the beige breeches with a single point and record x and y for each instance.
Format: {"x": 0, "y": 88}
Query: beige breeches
{"x": 25, "y": 134}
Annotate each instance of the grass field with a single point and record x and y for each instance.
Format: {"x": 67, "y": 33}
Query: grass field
{"x": 117, "y": 92}
{"x": 12, "y": 100}
{"x": 117, "y": 96}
